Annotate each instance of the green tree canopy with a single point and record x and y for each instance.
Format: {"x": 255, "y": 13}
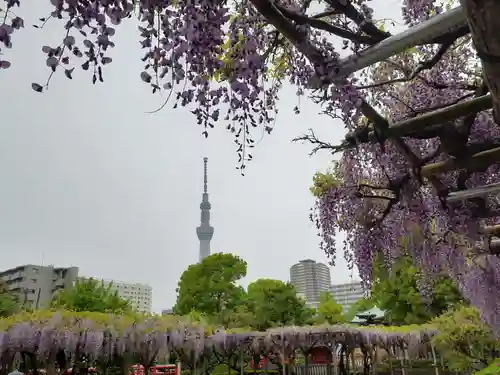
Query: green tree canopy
{"x": 464, "y": 341}
{"x": 240, "y": 317}
{"x": 329, "y": 311}
{"x": 397, "y": 294}
{"x": 209, "y": 287}
{"x": 91, "y": 295}
{"x": 275, "y": 303}
{"x": 9, "y": 303}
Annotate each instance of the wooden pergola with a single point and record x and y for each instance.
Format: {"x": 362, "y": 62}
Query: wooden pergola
{"x": 480, "y": 18}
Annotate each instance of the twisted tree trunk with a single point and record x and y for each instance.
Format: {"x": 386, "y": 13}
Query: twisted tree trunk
{"x": 484, "y": 21}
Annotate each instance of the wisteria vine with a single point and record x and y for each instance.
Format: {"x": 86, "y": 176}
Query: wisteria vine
{"x": 228, "y": 61}
{"x": 381, "y": 200}
{"x": 64, "y": 338}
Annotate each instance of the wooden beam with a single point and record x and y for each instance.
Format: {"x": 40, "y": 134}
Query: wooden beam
{"x": 440, "y": 116}
{"x": 413, "y": 125}
{"x": 479, "y": 191}
{"x": 491, "y": 230}
{"x": 475, "y": 162}
{"x": 495, "y": 246}
{"x": 418, "y": 34}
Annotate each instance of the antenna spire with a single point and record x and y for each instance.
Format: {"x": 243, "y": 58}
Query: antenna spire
{"x": 205, "y": 174}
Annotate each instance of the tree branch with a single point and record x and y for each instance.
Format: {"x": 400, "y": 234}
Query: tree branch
{"x": 434, "y": 85}
{"x": 300, "y": 19}
{"x": 422, "y": 66}
{"x": 302, "y": 43}
{"x": 413, "y": 159}
{"x": 289, "y": 31}
{"x": 366, "y": 26}
{"x": 395, "y": 188}
{"x": 319, "y": 144}
{"x": 326, "y": 14}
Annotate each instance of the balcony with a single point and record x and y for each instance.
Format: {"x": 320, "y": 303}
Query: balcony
{"x": 58, "y": 283}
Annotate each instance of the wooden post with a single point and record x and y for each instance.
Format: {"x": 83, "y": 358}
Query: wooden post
{"x": 334, "y": 359}
{"x": 374, "y": 360}
{"x": 436, "y": 369}
{"x": 402, "y": 360}
{"x": 391, "y": 357}
{"x": 283, "y": 364}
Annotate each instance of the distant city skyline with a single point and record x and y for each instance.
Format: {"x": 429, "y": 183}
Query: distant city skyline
{"x": 31, "y": 282}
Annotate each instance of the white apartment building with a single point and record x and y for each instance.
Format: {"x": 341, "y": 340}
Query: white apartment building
{"x": 139, "y": 295}
{"x": 310, "y": 279}
{"x": 348, "y": 293}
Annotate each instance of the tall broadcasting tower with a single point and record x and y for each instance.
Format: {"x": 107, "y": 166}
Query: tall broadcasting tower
{"x": 205, "y": 232}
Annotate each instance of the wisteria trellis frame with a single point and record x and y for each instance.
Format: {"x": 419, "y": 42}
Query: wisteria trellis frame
{"x": 102, "y": 338}
{"x": 443, "y": 29}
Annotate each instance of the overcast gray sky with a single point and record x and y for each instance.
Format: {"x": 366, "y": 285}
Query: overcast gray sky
{"x": 89, "y": 180}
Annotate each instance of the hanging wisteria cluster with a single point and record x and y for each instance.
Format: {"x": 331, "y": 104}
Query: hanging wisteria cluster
{"x": 401, "y": 183}
{"x": 224, "y": 60}
{"x": 424, "y": 181}
{"x": 100, "y": 337}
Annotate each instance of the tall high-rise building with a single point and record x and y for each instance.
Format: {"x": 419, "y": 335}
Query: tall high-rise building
{"x": 348, "y": 293}
{"x": 205, "y": 232}
{"x": 310, "y": 279}
{"x": 35, "y": 285}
